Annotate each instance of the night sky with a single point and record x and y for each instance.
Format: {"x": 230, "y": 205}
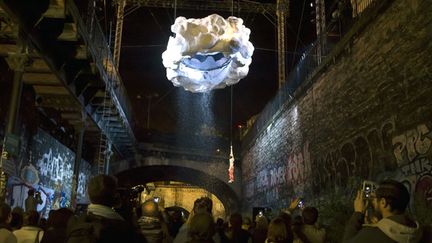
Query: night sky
{"x": 145, "y": 35}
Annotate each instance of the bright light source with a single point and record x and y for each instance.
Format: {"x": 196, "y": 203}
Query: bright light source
{"x": 208, "y": 53}
{"x": 311, "y": 4}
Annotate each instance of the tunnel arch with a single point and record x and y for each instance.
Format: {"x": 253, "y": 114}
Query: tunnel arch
{"x": 152, "y": 173}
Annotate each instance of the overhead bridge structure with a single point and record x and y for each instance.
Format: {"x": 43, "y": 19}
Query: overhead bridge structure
{"x": 70, "y": 67}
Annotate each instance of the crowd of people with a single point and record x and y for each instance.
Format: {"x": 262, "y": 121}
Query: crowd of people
{"x": 379, "y": 218}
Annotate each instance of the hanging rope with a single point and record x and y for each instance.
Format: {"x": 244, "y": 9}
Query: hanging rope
{"x": 231, "y": 90}
{"x": 175, "y": 10}
{"x": 232, "y": 8}
{"x": 231, "y": 113}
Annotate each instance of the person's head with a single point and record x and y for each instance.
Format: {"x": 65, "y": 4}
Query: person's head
{"x": 102, "y": 189}
{"x": 391, "y": 197}
{"x": 201, "y": 227}
{"x": 59, "y": 218}
{"x": 31, "y": 218}
{"x": 219, "y": 223}
{"x": 236, "y": 220}
{"x": 286, "y": 218}
{"x": 150, "y": 209}
{"x": 247, "y": 222}
{"x": 5, "y": 214}
{"x": 261, "y": 223}
{"x": 31, "y": 192}
{"x": 310, "y": 215}
{"x": 203, "y": 204}
{"x": 18, "y": 210}
{"x": 288, "y": 224}
{"x": 17, "y": 218}
{"x": 277, "y": 231}
{"x": 43, "y": 223}
{"x": 298, "y": 220}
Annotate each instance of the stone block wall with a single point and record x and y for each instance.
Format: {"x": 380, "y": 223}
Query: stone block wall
{"x": 367, "y": 116}
{"x": 185, "y": 197}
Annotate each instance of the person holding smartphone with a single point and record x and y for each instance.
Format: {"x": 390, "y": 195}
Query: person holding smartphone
{"x": 32, "y": 201}
{"x": 389, "y": 201}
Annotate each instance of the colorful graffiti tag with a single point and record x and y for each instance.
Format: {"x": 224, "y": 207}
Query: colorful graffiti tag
{"x": 50, "y": 172}
{"x": 380, "y": 153}
{"x": 412, "y": 152}
{"x": 85, "y": 173}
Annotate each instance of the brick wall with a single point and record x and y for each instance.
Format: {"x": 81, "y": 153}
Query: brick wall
{"x": 367, "y": 116}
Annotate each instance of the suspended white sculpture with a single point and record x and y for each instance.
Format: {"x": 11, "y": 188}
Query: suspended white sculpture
{"x": 207, "y": 53}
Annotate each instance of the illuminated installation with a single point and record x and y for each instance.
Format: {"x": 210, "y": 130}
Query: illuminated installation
{"x": 231, "y": 166}
{"x": 208, "y": 53}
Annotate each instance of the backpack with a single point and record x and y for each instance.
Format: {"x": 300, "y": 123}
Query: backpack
{"x": 85, "y": 229}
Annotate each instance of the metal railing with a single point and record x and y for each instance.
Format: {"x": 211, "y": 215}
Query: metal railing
{"x": 308, "y": 65}
{"x": 359, "y": 6}
{"x": 103, "y": 57}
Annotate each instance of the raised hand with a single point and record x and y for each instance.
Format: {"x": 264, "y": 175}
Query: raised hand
{"x": 359, "y": 203}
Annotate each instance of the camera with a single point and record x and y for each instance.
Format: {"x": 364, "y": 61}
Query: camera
{"x": 368, "y": 188}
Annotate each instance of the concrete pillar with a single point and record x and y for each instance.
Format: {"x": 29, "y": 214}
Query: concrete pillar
{"x": 320, "y": 28}
{"x": 79, "y": 137}
{"x": 17, "y": 62}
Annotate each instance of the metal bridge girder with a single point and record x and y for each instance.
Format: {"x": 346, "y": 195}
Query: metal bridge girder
{"x": 224, "y": 5}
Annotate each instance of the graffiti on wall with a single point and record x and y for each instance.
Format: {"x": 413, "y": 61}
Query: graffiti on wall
{"x": 277, "y": 181}
{"x": 364, "y": 156}
{"x": 49, "y": 172}
{"x": 85, "y": 173}
{"x": 54, "y": 168}
{"x": 411, "y": 150}
{"x": 376, "y": 154}
{"x": 54, "y": 162}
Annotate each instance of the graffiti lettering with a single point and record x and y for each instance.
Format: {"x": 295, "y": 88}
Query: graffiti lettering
{"x": 54, "y": 167}
{"x": 272, "y": 195}
{"x": 424, "y": 188}
{"x": 262, "y": 181}
{"x": 362, "y": 156}
{"x": 298, "y": 167}
{"x": 411, "y": 144}
{"x": 277, "y": 176}
{"x": 417, "y": 167}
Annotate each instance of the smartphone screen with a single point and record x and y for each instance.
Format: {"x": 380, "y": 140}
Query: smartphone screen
{"x": 367, "y": 191}
{"x": 300, "y": 204}
{"x": 368, "y": 188}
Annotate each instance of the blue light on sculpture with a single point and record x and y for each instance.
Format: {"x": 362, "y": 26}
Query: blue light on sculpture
{"x": 208, "y": 53}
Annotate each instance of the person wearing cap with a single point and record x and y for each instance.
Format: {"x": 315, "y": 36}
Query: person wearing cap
{"x": 389, "y": 201}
